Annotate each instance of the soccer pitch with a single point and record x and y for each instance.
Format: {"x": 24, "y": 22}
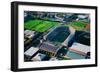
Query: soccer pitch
{"x": 40, "y": 25}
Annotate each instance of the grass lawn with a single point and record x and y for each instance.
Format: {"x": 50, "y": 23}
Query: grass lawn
{"x": 40, "y": 25}
{"x": 78, "y": 25}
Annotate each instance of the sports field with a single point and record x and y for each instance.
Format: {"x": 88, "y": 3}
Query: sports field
{"x": 78, "y": 25}
{"x": 40, "y": 25}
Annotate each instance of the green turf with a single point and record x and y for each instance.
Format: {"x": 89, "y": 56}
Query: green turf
{"x": 78, "y": 24}
{"x": 40, "y": 25}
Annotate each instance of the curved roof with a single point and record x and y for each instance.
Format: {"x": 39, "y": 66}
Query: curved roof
{"x": 59, "y": 34}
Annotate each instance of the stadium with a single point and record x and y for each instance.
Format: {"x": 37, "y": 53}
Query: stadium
{"x": 55, "y": 39}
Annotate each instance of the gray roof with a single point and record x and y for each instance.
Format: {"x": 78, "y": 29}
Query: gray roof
{"x": 49, "y": 47}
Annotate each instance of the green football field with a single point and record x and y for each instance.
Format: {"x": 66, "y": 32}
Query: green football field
{"x": 78, "y": 25}
{"x": 40, "y": 25}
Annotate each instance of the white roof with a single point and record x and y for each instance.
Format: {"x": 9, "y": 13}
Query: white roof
{"x": 38, "y": 57}
{"x": 53, "y": 59}
{"x": 29, "y": 33}
{"x": 80, "y": 47}
{"x": 31, "y": 51}
{"x": 82, "y": 16}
